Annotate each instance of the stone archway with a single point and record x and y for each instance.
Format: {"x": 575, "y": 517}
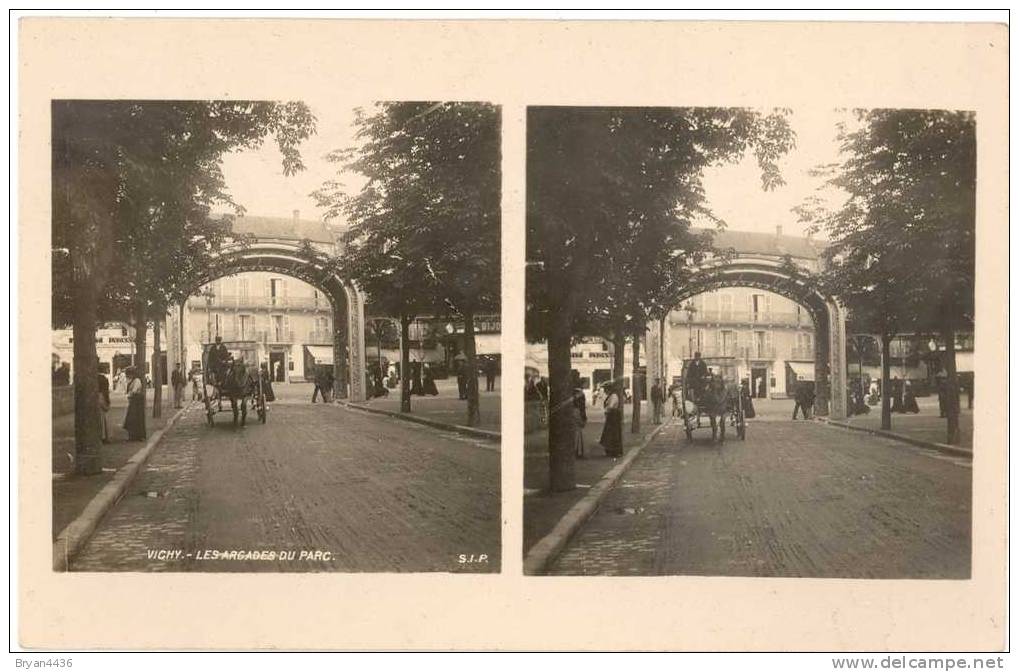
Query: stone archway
{"x": 292, "y": 258}
{"x": 774, "y": 275}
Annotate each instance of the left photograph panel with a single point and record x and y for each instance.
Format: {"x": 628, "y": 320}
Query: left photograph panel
{"x": 276, "y": 336}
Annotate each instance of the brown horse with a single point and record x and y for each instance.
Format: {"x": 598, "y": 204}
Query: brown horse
{"x": 237, "y": 385}
{"x": 717, "y": 401}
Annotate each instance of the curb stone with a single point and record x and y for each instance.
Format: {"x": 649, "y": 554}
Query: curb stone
{"x": 73, "y": 538}
{"x": 548, "y": 548}
{"x": 486, "y": 434}
{"x": 931, "y": 445}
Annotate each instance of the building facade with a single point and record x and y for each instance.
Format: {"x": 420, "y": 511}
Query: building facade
{"x": 115, "y": 348}
{"x": 769, "y": 338}
{"x": 278, "y": 319}
{"x": 591, "y": 358}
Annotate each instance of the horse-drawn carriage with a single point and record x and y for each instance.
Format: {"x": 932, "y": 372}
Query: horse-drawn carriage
{"x": 235, "y": 377}
{"x": 717, "y": 396}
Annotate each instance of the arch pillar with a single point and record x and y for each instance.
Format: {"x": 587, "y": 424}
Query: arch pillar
{"x": 837, "y": 360}
{"x": 355, "y": 336}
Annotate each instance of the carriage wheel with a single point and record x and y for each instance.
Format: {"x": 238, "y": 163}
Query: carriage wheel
{"x": 210, "y": 415}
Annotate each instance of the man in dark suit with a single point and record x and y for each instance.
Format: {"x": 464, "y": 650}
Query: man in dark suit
{"x": 177, "y": 382}
{"x": 319, "y": 380}
{"x": 804, "y": 399}
{"x": 218, "y": 354}
{"x": 696, "y": 373}
{"x": 657, "y": 399}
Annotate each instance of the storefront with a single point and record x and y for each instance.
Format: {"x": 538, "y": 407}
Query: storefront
{"x": 115, "y": 348}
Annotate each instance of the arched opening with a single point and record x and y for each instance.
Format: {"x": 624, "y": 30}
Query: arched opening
{"x": 741, "y": 321}
{"x": 289, "y": 330}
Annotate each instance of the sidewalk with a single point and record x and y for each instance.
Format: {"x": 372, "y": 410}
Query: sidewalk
{"x": 72, "y": 493}
{"x": 447, "y": 407}
{"x": 543, "y": 509}
{"x": 923, "y": 426}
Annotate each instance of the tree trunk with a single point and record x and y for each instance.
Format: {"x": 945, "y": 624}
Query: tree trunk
{"x": 951, "y": 390}
{"x": 405, "y": 373}
{"x": 140, "y": 332}
{"x": 470, "y": 351}
{"x": 619, "y": 362}
{"x": 87, "y": 437}
{"x": 886, "y": 387}
{"x": 157, "y": 372}
{"x": 562, "y": 467}
{"x": 635, "y": 421}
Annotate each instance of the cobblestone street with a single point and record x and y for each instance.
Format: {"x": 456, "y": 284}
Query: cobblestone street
{"x": 796, "y": 499}
{"x": 365, "y": 493}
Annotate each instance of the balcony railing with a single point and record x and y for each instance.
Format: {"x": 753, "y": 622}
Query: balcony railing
{"x": 250, "y": 335}
{"x": 258, "y": 302}
{"x": 785, "y": 319}
{"x": 320, "y": 337}
{"x": 707, "y": 351}
{"x": 802, "y": 353}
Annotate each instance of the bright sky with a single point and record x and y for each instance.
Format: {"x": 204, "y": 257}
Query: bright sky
{"x": 734, "y": 192}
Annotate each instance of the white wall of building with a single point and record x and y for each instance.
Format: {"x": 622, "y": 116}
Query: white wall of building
{"x": 272, "y": 314}
{"x": 758, "y": 330}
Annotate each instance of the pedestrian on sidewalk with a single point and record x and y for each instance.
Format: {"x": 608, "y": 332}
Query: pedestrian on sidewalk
{"x": 490, "y": 372}
{"x": 416, "y": 388}
{"x": 461, "y": 377}
{"x": 804, "y": 399}
{"x": 909, "y": 404}
{"x": 177, "y": 381}
{"x": 428, "y": 382}
{"x": 748, "y": 403}
{"x": 579, "y": 410}
{"x": 266, "y": 378}
{"x": 134, "y": 421}
{"x": 612, "y": 435}
{"x": 657, "y": 400}
{"x": 319, "y": 379}
{"x": 194, "y": 376}
{"x": 677, "y": 399}
{"x": 104, "y": 407}
{"x": 896, "y": 395}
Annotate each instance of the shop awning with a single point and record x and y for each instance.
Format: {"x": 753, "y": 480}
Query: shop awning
{"x": 487, "y": 344}
{"x": 322, "y": 354}
{"x": 802, "y": 370}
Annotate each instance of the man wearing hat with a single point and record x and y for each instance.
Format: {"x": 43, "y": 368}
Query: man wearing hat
{"x": 696, "y": 372}
{"x": 218, "y": 355}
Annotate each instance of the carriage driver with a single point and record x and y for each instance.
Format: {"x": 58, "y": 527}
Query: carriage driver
{"x": 217, "y": 359}
{"x": 696, "y": 372}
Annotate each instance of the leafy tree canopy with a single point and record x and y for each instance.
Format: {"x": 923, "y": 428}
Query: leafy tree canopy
{"x": 425, "y": 228}
{"x": 162, "y": 160}
{"x": 902, "y": 253}
{"x": 611, "y": 194}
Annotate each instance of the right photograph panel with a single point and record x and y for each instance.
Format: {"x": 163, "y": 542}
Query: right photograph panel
{"x": 750, "y": 342}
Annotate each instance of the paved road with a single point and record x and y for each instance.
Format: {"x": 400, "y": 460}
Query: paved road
{"x": 795, "y": 499}
{"x": 374, "y": 493}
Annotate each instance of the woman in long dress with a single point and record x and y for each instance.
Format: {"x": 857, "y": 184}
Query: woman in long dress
{"x": 579, "y": 410}
{"x": 428, "y": 381}
{"x": 104, "y": 406}
{"x": 134, "y": 421}
{"x": 612, "y": 434}
{"x": 909, "y": 404}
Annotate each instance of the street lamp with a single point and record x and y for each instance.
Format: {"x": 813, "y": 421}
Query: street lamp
{"x": 690, "y": 310}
